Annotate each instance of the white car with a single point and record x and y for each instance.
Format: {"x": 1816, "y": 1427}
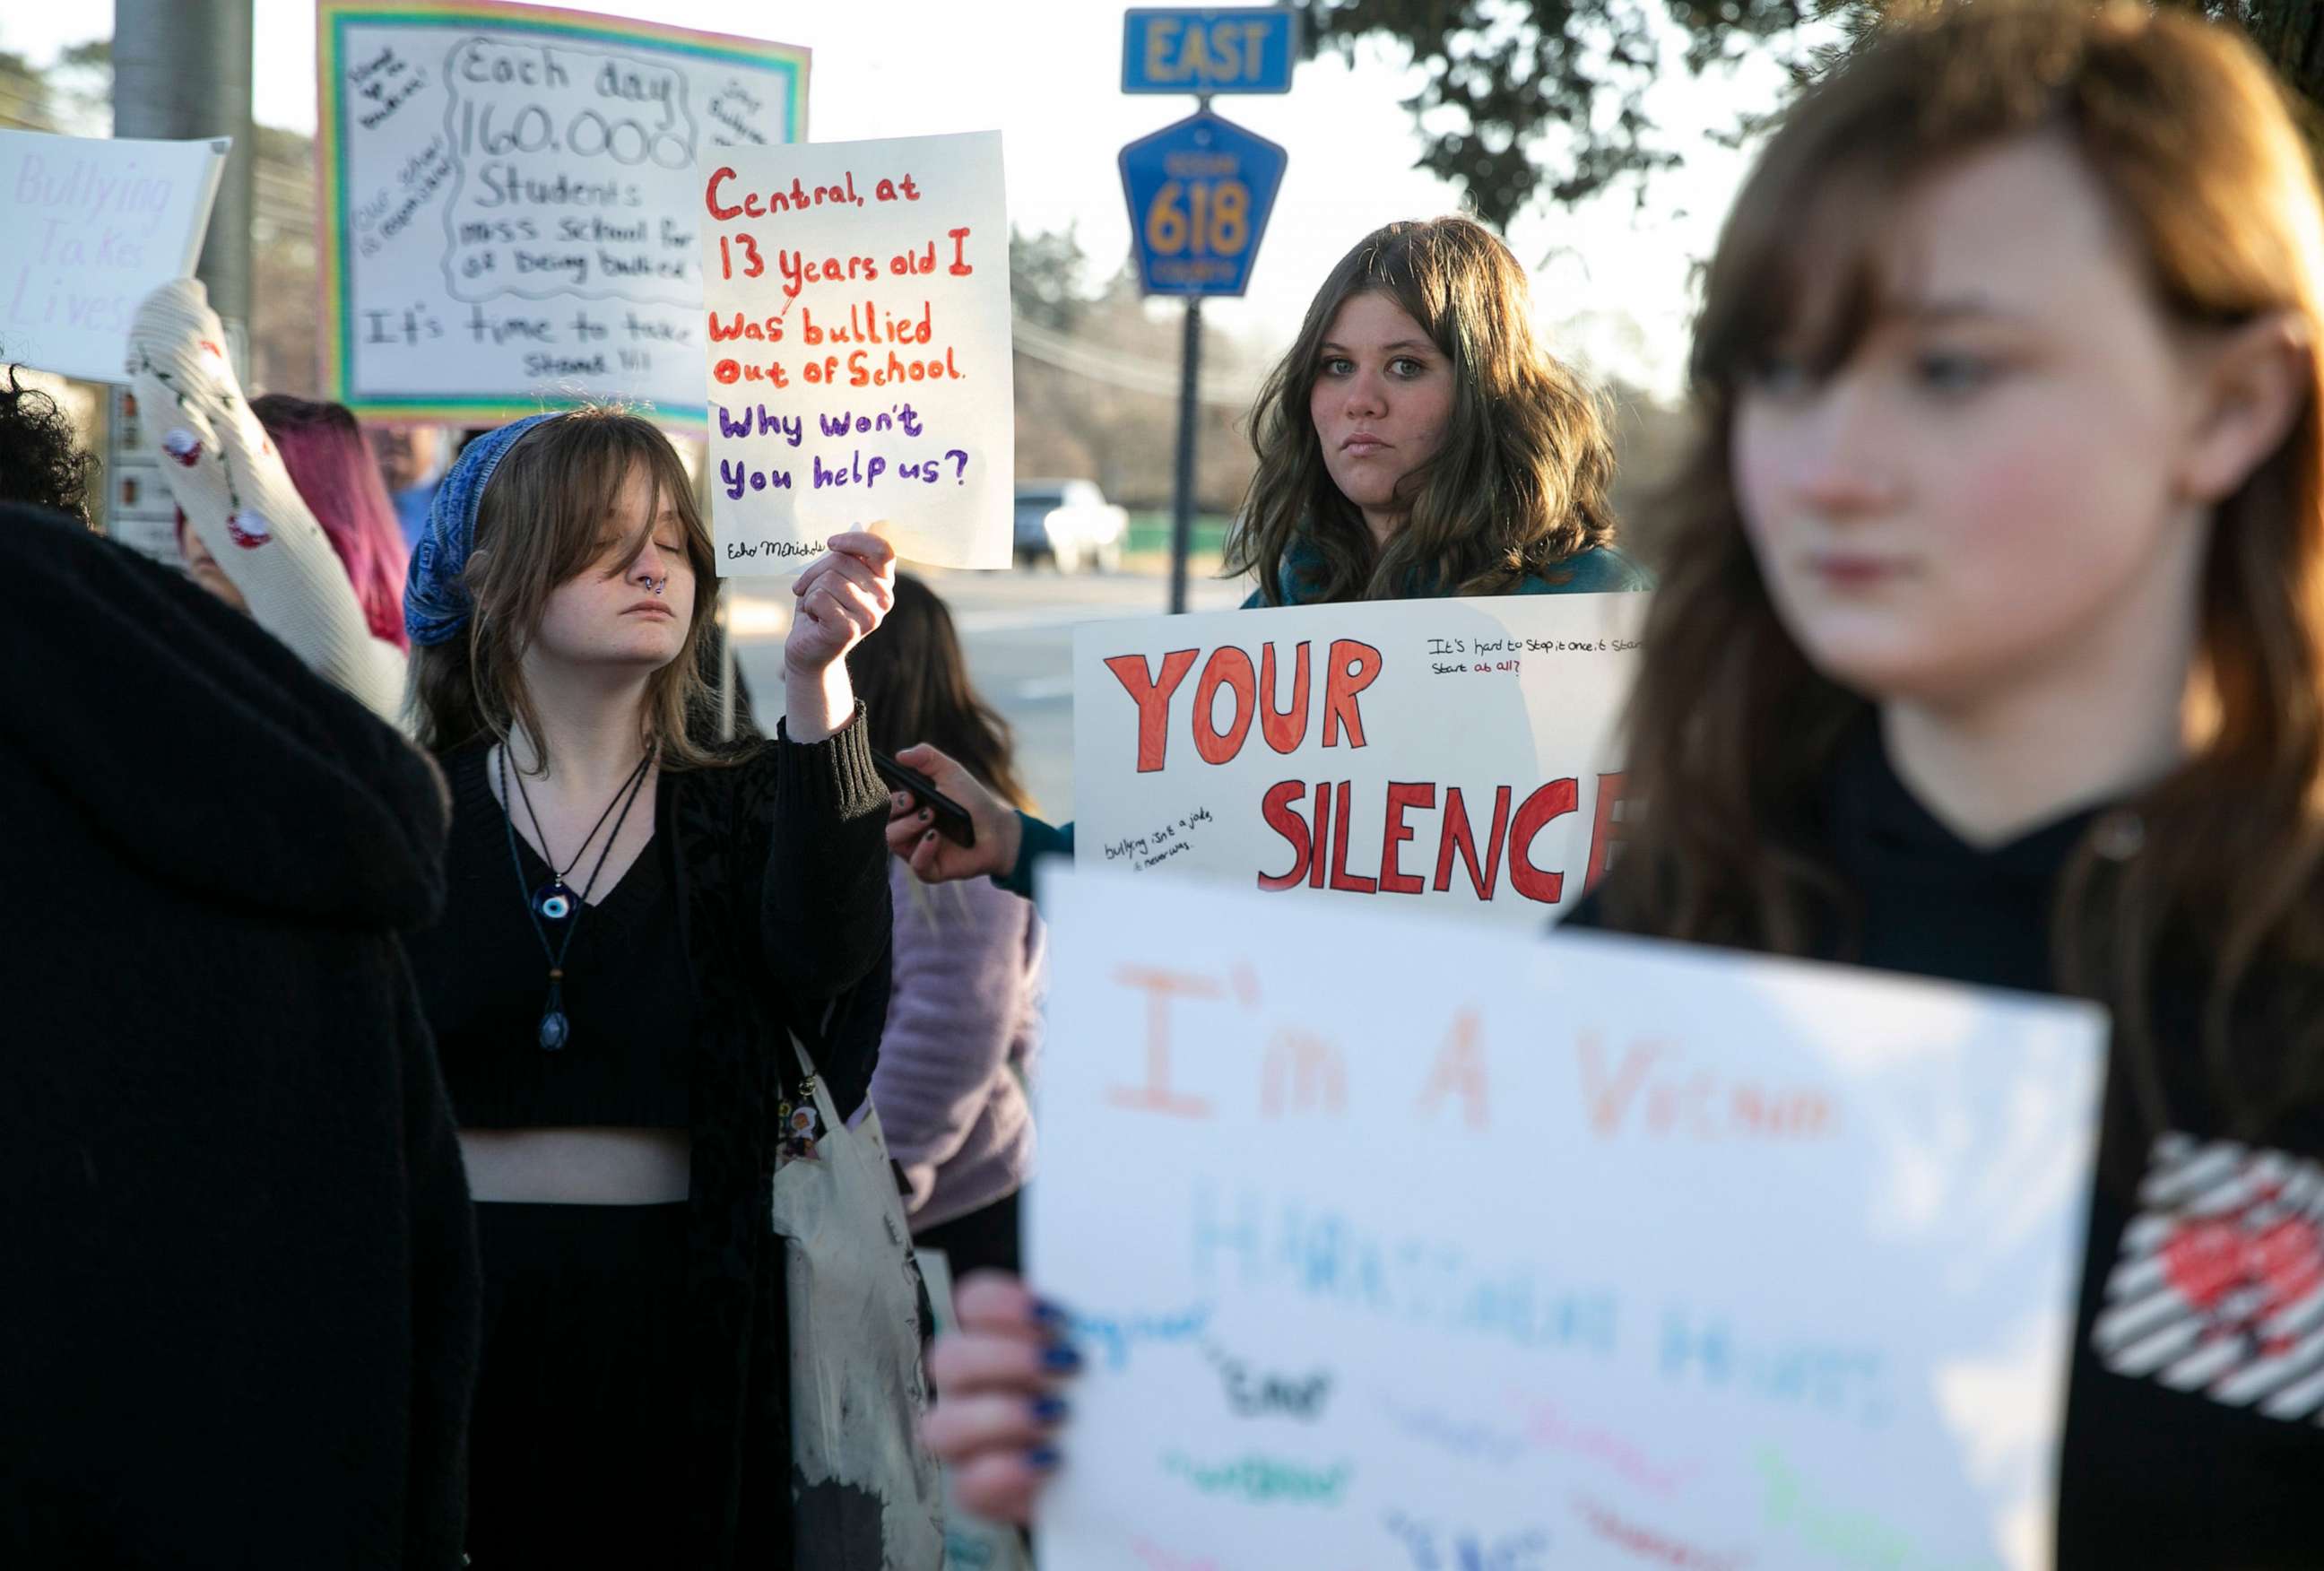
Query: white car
{"x": 1071, "y": 523}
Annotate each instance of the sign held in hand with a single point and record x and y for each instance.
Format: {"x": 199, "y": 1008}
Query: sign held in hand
{"x": 1455, "y": 755}
{"x": 858, "y": 349}
{"x": 507, "y": 199}
{"x": 1401, "y": 1244}
{"x": 95, "y": 225}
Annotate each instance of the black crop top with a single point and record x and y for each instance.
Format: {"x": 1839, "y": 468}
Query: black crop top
{"x": 484, "y": 982}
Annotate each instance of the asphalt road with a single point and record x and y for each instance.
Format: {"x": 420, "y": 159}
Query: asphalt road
{"x": 1019, "y": 631}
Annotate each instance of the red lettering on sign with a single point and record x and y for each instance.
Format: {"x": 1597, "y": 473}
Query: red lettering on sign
{"x": 1287, "y": 729}
{"x": 1280, "y": 810}
{"x": 1554, "y": 800}
{"x": 1152, "y": 696}
{"x": 1161, "y": 987}
{"x": 1341, "y": 879}
{"x": 719, "y": 177}
{"x": 1354, "y": 667}
{"x": 1229, "y": 668}
{"x": 1459, "y": 1071}
{"x": 1401, "y": 795}
{"x": 1606, "y": 831}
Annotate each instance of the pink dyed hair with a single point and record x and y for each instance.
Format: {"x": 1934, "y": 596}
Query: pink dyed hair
{"x": 331, "y": 465}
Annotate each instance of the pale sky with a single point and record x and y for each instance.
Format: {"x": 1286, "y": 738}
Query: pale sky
{"x": 1611, "y": 284}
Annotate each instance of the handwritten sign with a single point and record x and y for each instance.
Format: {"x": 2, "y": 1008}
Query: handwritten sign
{"x": 859, "y": 338}
{"x": 1452, "y": 754}
{"x": 94, "y": 227}
{"x": 509, "y": 207}
{"x": 1401, "y": 1244}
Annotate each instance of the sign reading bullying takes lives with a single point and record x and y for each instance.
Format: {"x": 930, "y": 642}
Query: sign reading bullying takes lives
{"x": 1397, "y": 1244}
{"x": 95, "y": 225}
{"x": 1455, "y": 755}
{"x": 858, "y": 349}
{"x": 510, "y": 207}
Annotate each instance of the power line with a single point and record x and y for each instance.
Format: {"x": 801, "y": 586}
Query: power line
{"x": 1132, "y": 372}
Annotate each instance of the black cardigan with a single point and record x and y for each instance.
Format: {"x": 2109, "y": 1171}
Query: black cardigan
{"x": 778, "y": 860}
{"x": 2151, "y": 1474}
{"x": 240, "y": 1320}
{"x": 782, "y": 865}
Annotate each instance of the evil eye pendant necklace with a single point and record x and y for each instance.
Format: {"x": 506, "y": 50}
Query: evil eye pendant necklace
{"x": 553, "y": 905}
{"x": 553, "y": 901}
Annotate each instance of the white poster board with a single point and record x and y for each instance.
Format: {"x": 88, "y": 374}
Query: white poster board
{"x": 94, "y": 227}
{"x": 1455, "y": 755}
{"x": 859, "y": 362}
{"x": 509, "y": 202}
{"x": 1396, "y": 1244}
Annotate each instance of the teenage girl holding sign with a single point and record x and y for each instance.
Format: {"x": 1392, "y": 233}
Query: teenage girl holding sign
{"x": 1993, "y": 649}
{"x": 637, "y": 923}
{"x": 1415, "y": 440}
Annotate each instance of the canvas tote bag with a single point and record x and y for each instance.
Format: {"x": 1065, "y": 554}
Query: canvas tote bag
{"x": 865, "y": 1495}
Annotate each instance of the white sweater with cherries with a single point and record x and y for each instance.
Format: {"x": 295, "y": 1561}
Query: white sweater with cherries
{"x": 230, "y": 483}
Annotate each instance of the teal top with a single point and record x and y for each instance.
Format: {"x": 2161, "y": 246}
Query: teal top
{"x": 1600, "y": 570}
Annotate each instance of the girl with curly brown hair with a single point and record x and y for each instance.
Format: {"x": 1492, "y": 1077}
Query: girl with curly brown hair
{"x": 1415, "y": 440}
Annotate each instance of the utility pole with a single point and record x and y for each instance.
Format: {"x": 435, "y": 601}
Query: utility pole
{"x": 181, "y": 70}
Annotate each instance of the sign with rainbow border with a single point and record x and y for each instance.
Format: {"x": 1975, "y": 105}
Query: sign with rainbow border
{"x": 508, "y": 203}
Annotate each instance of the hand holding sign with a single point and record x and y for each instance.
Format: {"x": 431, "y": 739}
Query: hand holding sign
{"x": 998, "y": 1373}
{"x": 842, "y": 598}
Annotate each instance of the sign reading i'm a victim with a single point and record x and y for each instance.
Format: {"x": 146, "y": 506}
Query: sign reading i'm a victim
{"x": 858, "y": 347}
{"x": 1400, "y": 1243}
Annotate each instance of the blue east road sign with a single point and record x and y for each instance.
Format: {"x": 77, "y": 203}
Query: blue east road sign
{"x": 1227, "y": 49}
{"x": 1199, "y": 193}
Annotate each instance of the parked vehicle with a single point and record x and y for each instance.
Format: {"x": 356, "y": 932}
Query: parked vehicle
{"x": 1070, "y": 523}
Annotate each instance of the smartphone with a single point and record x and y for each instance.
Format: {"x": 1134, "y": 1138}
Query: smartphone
{"x": 952, "y": 820}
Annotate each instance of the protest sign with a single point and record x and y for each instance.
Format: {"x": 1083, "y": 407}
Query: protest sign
{"x": 1393, "y": 1244}
{"x": 858, "y": 361}
{"x": 1451, "y": 754}
{"x": 508, "y": 202}
{"x": 94, "y": 227}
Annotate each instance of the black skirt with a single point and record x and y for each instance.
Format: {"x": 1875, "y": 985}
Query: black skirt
{"x": 577, "y": 1446}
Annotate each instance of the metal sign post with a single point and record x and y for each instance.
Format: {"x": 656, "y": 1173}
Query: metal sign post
{"x": 1182, "y": 489}
{"x": 1200, "y": 193}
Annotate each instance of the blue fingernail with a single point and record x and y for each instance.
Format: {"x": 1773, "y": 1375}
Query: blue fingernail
{"x": 1057, "y": 1355}
{"x": 1043, "y": 1459}
{"x": 1048, "y": 1409}
{"x": 1049, "y": 1314}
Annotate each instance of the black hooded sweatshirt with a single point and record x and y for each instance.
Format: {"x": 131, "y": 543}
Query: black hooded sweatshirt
{"x": 239, "y": 1292}
{"x": 2194, "y": 1433}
